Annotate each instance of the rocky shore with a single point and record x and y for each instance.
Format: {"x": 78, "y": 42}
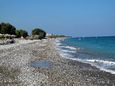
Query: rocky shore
{"x": 16, "y": 67}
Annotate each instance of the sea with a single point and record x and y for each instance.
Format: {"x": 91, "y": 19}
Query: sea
{"x": 97, "y": 51}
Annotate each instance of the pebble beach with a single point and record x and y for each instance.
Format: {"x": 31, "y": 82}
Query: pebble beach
{"x": 17, "y": 69}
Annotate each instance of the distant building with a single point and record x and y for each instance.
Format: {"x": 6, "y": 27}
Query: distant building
{"x": 48, "y": 34}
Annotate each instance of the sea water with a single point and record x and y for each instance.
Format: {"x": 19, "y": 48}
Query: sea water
{"x": 97, "y": 51}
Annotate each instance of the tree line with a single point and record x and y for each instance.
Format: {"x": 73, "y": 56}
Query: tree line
{"x": 7, "y": 28}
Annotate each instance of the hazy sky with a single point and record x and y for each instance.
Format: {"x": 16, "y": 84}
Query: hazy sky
{"x": 69, "y": 17}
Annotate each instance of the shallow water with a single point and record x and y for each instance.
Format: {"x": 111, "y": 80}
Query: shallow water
{"x": 98, "y": 51}
{"x": 42, "y": 64}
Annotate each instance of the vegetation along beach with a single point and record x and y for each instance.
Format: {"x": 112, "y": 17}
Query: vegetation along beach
{"x": 34, "y": 61}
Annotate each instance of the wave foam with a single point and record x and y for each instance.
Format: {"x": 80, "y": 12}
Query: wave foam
{"x": 58, "y": 42}
{"x": 101, "y": 64}
{"x": 92, "y": 63}
{"x": 102, "y": 61}
{"x": 69, "y": 47}
{"x": 68, "y": 51}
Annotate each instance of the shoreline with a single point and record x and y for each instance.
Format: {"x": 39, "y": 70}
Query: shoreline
{"x": 89, "y": 71}
{"x": 63, "y": 72}
{"x": 93, "y": 62}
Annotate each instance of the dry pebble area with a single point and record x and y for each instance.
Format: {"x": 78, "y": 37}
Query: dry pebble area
{"x": 16, "y": 67}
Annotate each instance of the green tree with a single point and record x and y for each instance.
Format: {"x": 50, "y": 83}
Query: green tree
{"x": 21, "y": 32}
{"x": 6, "y": 28}
{"x": 18, "y": 35}
{"x": 24, "y": 33}
{"x": 41, "y": 33}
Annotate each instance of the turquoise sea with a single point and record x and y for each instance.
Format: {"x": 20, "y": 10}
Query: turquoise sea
{"x": 97, "y": 51}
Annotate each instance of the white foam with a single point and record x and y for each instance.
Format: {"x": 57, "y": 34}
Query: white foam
{"x": 57, "y": 42}
{"x": 91, "y": 62}
{"x": 68, "y": 51}
{"x": 101, "y": 61}
{"x": 107, "y": 70}
{"x": 102, "y": 65}
{"x": 69, "y": 47}
{"x": 65, "y": 55}
{"x": 59, "y": 48}
{"x": 94, "y": 62}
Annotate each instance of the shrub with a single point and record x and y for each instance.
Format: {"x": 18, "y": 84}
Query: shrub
{"x": 18, "y": 35}
{"x": 21, "y": 32}
{"x": 6, "y": 28}
{"x": 41, "y": 33}
{"x": 24, "y": 33}
{"x": 56, "y": 36}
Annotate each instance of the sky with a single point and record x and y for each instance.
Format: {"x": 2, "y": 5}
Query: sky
{"x": 68, "y": 17}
